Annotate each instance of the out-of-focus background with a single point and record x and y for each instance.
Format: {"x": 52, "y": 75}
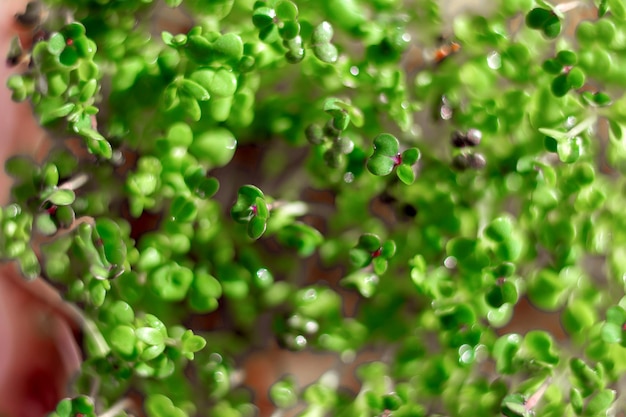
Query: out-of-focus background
{"x": 38, "y": 353}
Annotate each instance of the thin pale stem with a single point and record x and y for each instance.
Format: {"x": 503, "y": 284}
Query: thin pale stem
{"x": 97, "y": 339}
{"x": 582, "y": 126}
{"x": 74, "y": 183}
{"x": 566, "y": 7}
{"x": 297, "y": 208}
{"x": 123, "y": 404}
{"x": 532, "y": 401}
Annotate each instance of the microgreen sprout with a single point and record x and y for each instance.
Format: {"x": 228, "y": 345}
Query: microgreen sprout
{"x": 420, "y": 178}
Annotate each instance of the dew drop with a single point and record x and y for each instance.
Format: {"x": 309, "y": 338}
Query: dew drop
{"x": 295, "y": 321}
{"x": 348, "y": 177}
{"x": 466, "y": 354}
{"x": 354, "y": 70}
{"x": 445, "y": 112}
{"x": 494, "y": 60}
{"x": 300, "y": 341}
{"x": 348, "y": 356}
{"x": 424, "y": 79}
{"x": 310, "y": 295}
{"x": 220, "y": 376}
{"x": 264, "y": 275}
{"x": 12, "y": 210}
{"x": 513, "y": 182}
{"x": 450, "y": 262}
{"x": 232, "y": 144}
{"x": 311, "y": 327}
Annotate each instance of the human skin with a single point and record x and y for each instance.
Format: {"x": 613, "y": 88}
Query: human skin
{"x": 38, "y": 352}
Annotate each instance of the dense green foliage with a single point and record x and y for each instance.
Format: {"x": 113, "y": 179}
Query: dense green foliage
{"x": 507, "y": 145}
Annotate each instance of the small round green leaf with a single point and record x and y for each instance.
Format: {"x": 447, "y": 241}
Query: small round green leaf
{"x": 566, "y": 57}
{"x": 180, "y": 134}
{"x": 58, "y": 83}
{"x": 537, "y": 18}
{"x": 505, "y": 352}
{"x": 364, "y": 281}
{"x": 192, "y": 343}
{"x": 45, "y": 224}
{"x": 207, "y": 188}
{"x": 370, "y": 242}
{"x": 216, "y": 146}
{"x": 514, "y": 405}
{"x": 65, "y": 216}
{"x": 360, "y": 257}
{"x": 600, "y": 402}
{"x": 229, "y": 45}
{"x": 122, "y": 339}
{"x": 60, "y": 197}
{"x": 263, "y": 17}
{"x": 550, "y": 144}
{"x": 150, "y": 335}
{"x": 586, "y": 32}
{"x": 410, "y": 156}
{"x": 461, "y": 248}
{"x": 576, "y": 400}
{"x": 386, "y": 144}
{"x": 256, "y": 227}
{"x": 501, "y": 294}
{"x": 576, "y": 78}
{"x": 289, "y": 30}
{"x": 84, "y": 47}
{"x": 223, "y": 84}
{"x": 322, "y": 34}
{"x": 64, "y": 408}
{"x": 286, "y": 10}
{"x": 552, "y": 27}
{"x": 171, "y": 281}
{"x": 499, "y": 229}
{"x": 380, "y": 265}
{"x": 194, "y": 90}
{"x": 541, "y": 346}
{"x": 69, "y": 57}
{"x": 247, "y": 195}
{"x": 406, "y": 174}
{"x": 197, "y": 47}
{"x": 56, "y": 44}
{"x": 284, "y": 393}
{"x": 380, "y": 165}
{"x": 388, "y": 249}
{"x": 611, "y": 333}
{"x": 151, "y": 352}
{"x": 88, "y": 90}
{"x": 314, "y": 134}
{"x": 569, "y": 150}
{"x": 29, "y": 264}
{"x": 50, "y": 175}
{"x": 602, "y": 99}
{"x": 183, "y": 210}
{"x": 326, "y": 52}
{"x": 207, "y": 285}
{"x": 509, "y": 250}
{"x": 74, "y": 30}
{"x": 552, "y": 66}
{"x": 560, "y": 85}
{"x": 617, "y": 8}
{"x": 262, "y": 211}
